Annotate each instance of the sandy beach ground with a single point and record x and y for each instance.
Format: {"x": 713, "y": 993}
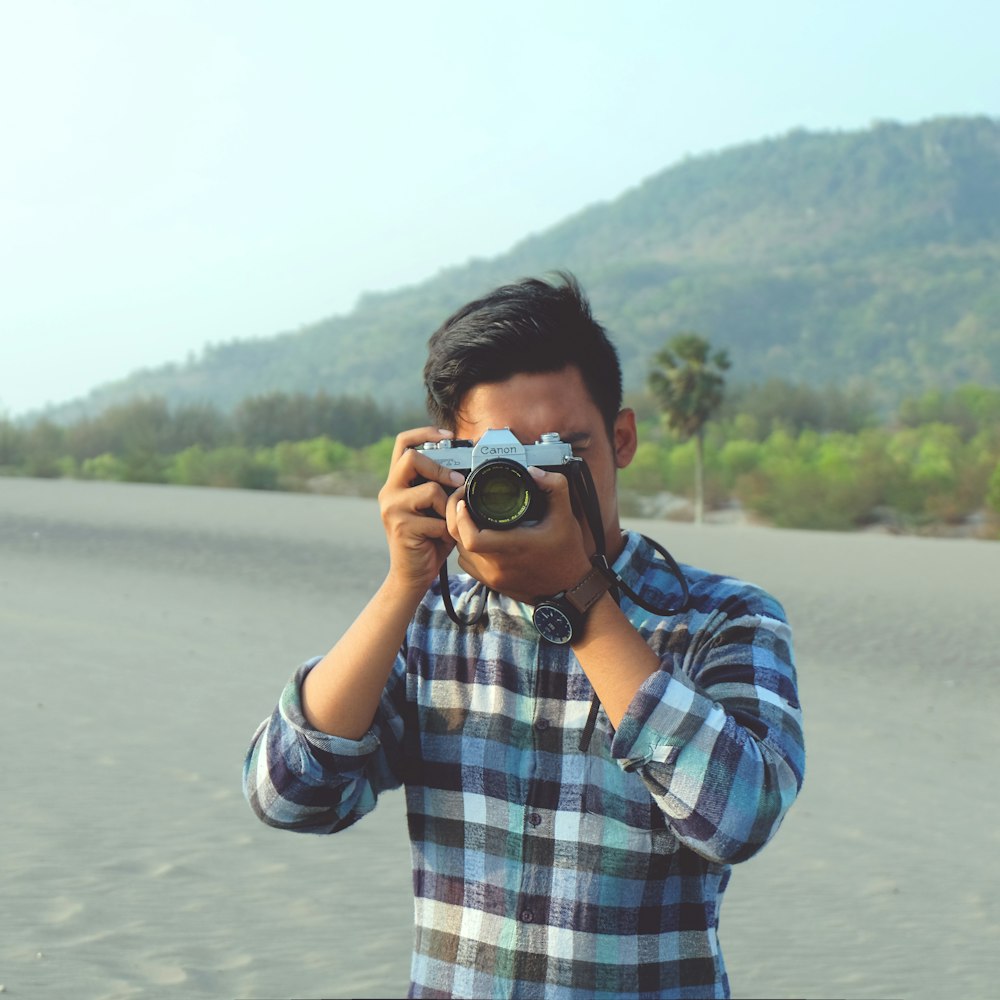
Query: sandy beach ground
{"x": 145, "y": 631}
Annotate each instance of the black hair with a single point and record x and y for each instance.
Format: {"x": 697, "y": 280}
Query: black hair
{"x": 529, "y": 327}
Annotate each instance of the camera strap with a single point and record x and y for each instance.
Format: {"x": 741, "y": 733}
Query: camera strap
{"x": 592, "y": 510}
{"x": 480, "y": 589}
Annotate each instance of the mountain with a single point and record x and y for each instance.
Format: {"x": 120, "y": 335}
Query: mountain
{"x": 837, "y": 257}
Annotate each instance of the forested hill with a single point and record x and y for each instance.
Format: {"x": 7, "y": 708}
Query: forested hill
{"x": 817, "y": 257}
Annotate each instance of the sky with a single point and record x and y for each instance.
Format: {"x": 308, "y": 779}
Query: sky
{"x": 177, "y": 173}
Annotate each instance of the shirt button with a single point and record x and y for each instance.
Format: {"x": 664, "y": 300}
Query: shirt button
{"x": 541, "y": 725}
{"x": 527, "y": 916}
{"x": 534, "y": 819}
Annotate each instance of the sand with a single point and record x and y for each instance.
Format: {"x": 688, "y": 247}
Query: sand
{"x": 145, "y": 631}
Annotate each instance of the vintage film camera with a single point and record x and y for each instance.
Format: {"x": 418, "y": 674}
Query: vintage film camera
{"x": 499, "y": 490}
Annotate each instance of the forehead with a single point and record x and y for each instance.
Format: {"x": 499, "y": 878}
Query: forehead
{"x": 530, "y": 405}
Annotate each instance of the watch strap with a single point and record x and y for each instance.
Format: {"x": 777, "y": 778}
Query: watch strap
{"x": 588, "y": 591}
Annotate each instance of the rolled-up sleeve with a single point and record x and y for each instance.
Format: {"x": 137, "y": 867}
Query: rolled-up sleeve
{"x": 716, "y": 733}
{"x": 298, "y": 778}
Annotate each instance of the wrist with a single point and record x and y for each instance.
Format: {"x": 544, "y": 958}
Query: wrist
{"x": 403, "y": 591}
{"x": 562, "y": 618}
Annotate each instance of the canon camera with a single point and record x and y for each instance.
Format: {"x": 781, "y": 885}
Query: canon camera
{"x": 499, "y": 490}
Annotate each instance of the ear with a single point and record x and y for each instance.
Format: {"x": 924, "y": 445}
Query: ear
{"x": 625, "y": 438}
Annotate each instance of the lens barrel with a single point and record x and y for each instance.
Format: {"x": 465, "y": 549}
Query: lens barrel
{"x": 499, "y": 493}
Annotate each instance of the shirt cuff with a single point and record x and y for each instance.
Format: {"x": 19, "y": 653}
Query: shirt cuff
{"x": 664, "y": 716}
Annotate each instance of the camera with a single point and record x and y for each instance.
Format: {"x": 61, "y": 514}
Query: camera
{"x": 499, "y": 490}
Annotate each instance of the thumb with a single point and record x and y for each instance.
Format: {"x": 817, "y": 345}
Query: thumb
{"x": 551, "y": 483}
{"x": 541, "y": 477}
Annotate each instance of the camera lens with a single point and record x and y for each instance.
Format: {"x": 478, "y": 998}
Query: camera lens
{"x": 499, "y": 493}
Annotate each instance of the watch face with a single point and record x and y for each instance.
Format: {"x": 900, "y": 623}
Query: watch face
{"x": 553, "y": 624}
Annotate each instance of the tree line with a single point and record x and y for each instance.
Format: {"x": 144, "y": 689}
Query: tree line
{"x": 275, "y": 440}
{"x": 799, "y": 457}
{"x": 788, "y": 454}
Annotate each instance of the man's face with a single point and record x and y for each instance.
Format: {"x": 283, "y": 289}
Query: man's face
{"x": 535, "y": 404}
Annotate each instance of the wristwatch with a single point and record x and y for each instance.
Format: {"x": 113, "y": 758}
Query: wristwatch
{"x": 560, "y": 619}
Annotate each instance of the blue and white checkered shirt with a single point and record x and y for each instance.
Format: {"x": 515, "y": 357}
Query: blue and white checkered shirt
{"x": 540, "y": 870}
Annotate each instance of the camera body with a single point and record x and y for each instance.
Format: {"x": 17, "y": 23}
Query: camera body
{"x": 499, "y": 490}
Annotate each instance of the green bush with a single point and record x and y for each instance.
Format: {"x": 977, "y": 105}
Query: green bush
{"x": 648, "y": 472}
{"x": 231, "y": 466}
{"x": 376, "y": 458}
{"x": 106, "y": 466}
{"x": 737, "y": 458}
{"x": 814, "y": 481}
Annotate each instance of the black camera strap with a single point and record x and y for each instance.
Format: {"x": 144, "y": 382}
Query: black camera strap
{"x": 592, "y": 509}
{"x": 480, "y": 589}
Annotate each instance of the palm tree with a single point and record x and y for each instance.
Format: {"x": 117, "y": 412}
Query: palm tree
{"x": 687, "y": 382}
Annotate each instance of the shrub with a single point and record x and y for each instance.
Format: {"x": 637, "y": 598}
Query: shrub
{"x": 106, "y": 466}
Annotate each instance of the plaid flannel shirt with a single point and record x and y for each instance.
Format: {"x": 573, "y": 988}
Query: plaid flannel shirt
{"x": 540, "y": 870}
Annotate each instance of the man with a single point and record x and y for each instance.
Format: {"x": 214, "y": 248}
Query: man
{"x": 548, "y": 861}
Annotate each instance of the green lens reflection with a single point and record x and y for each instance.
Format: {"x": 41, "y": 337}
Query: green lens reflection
{"x": 500, "y": 493}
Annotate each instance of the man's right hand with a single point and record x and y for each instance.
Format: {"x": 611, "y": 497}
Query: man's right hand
{"x": 414, "y": 516}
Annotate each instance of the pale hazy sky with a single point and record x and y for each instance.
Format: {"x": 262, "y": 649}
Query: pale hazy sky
{"x": 178, "y": 172}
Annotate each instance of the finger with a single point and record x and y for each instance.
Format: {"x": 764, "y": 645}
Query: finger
{"x": 435, "y": 528}
{"x": 463, "y": 529}
{"x": 485, "y": 541}
{"x": 427, "y": 500}
{"x": 427, "y": 468}
{"x": 416, "y": 436}
{"x": 467, "y": 566}
{"x": 414, "y": 469}
{"x": 423, "y": 499}
{"x": 457, "y": 513}
{"x": 548, "y": 482}
{"x": 409, "y": 523}
{"x": 554, "y": 485}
